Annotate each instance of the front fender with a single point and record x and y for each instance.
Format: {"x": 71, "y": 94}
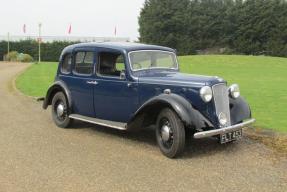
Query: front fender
{"x": 186, "y": 112}
{"x": 239, "y": 110}
{"x": 57, "y": 86}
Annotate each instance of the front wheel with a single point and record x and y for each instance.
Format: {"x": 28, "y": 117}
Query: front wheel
{"x": 60, "y": 110}
{"x": 170, "y": 133}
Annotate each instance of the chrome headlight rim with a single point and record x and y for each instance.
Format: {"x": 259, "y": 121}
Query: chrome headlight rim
{"x": 234, "y": 91}
{"x": 206, "y": 94}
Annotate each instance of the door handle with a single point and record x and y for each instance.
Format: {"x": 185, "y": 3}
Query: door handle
{"x": 92, "y": 82}
{"x": 129, "y": 85}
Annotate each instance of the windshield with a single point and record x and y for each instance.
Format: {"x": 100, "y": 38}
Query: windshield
{"x": 152, "y": 59}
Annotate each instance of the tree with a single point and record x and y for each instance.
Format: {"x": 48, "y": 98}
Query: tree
{"x": 245, "y": 26}
{"x": 165, "y": 23}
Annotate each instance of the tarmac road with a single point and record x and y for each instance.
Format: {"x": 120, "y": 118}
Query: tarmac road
{"x": 35, "y": 155}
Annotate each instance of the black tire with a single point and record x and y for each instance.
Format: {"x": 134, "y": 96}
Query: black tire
{"x": 63, "y": 120}
{"x": 173, "y": 144}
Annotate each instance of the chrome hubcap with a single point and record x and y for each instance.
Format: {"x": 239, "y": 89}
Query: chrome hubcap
{"x": 60, "y": 110}
{"x": 165, "y": 133}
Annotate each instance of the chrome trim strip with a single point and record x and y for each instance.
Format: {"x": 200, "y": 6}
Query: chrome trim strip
{"x": 231, "y": 128}
{"x": 160, "y": 81}
{"x": 169, "y": 84}
{"x": 93, "y": 121}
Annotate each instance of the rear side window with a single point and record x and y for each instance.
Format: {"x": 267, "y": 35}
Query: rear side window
{"x": 66, "y": 64}
{"x": 84, "y": 63}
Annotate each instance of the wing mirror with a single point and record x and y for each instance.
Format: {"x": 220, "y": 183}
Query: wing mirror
{"x": 123, "y": 74}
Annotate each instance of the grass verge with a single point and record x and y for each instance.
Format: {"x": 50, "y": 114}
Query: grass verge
{"x": 37, "y": 78}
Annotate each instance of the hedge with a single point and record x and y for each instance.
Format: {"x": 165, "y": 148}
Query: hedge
{"x": 50, "y": 51}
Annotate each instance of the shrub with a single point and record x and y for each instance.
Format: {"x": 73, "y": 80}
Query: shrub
{"x": 26, "y": 58}
{"x": 21, "y": 57}
{"x": 12, "y": 56}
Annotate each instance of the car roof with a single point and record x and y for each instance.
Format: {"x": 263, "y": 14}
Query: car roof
{"x": 121, "y": 46}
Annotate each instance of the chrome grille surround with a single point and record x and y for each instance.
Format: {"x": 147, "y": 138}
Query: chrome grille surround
{"x": 221, "y": 101}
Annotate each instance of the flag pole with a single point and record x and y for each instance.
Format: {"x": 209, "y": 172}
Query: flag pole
{"x": 69, "y": 32}
{"x": 39, "y": 42}
{"x": 115, "y": 31}
{"x": 8, "y": 43}
{"x": 24, "y": 31}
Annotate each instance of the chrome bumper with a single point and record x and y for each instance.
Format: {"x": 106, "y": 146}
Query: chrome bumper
{"x": 210, "y": 133}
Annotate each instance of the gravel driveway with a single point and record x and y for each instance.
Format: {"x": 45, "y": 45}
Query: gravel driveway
{"x": 35, "y": 155}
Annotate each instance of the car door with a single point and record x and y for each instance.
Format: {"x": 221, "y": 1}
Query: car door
{"x": 115, "y": 95}
{"x": 81, "y": 81}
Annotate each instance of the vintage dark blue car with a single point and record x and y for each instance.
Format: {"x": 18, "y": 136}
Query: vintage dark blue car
{"x": 128, "y": 86}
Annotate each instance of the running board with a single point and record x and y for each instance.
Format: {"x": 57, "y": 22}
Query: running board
{"x": 111, "y": 124}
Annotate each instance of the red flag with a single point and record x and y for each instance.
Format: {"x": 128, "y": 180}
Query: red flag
{"x": 70, "y": 29}
{"x": 116, "y": 31}
{"x": 24, "y": 28}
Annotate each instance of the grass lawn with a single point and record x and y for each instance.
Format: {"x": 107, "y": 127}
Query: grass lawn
{"x": 262, "y": 82}
{"x": 37, "y": 78}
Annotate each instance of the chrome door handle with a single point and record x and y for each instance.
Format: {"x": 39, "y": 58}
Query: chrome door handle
{"x": 129, "y": 84}
{"x": 92, "y": 82}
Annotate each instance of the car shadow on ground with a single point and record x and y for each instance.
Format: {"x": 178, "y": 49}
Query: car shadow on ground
{"x": 194, "y": 147}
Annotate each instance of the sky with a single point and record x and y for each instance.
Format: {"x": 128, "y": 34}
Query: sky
{"x": 97, "y": 18}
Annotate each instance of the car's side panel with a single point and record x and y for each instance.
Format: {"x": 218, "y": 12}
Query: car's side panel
{"x": 115, "y": 99}
{"x": 82, "y": 94}
{"x": 80, "y": 88}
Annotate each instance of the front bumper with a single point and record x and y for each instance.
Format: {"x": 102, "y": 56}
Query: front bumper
{"x": 210, "y": 133}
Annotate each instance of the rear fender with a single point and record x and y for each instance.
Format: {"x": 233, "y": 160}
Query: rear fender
{"x": 53, "y": 89}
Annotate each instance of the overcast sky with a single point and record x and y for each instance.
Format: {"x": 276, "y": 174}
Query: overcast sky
{"x": 87, "y": 17}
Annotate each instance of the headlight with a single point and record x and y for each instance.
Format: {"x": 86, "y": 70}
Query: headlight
{"x": 206, "y": 93}
{"x": 234, "y": 91}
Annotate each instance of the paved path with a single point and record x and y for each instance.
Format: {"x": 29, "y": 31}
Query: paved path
{"x": 37, "y": 156}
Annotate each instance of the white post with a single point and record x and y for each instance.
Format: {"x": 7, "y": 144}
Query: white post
{"x": 39, "y": 42}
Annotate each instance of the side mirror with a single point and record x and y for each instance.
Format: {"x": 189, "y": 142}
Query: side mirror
{"x": 123, "y": 74}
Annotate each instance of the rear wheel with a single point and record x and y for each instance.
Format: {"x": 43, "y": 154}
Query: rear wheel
{"x": 60, "y": 110}
{"x": 170, "y": 133}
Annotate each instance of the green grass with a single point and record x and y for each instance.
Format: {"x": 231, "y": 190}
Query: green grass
{"x": 262, "y": 80}
{"x": 37, "y": 78}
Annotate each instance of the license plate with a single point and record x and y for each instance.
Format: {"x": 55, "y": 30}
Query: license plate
{"x": 231, "y": 136}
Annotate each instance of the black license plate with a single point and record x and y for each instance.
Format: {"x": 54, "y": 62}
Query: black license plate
{"x": 231, "y": 136}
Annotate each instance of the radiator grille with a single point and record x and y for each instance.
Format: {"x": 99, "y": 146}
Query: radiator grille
{"x": 221, "y": 101}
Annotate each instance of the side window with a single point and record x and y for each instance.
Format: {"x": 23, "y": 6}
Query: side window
{"x": 120, "y": 63}
{"x": 66, "y": 64}
{"x": 84, "y": 63}
{"x": 110, "y": 64}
